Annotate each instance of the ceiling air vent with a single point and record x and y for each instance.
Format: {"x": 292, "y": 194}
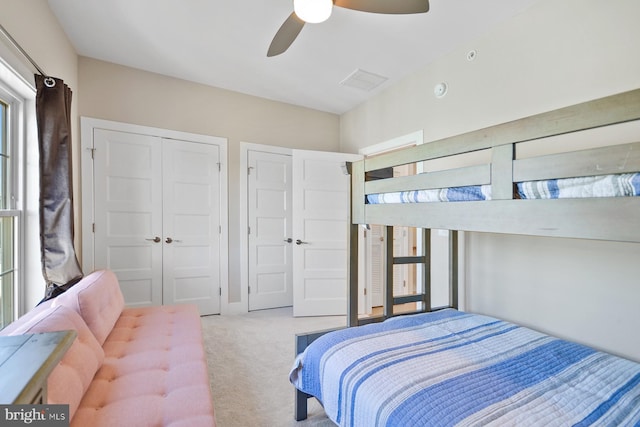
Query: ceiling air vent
{"x": 363, "y": 80}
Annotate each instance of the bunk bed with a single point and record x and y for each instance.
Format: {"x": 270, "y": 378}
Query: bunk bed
{"x": 448, "y": 367}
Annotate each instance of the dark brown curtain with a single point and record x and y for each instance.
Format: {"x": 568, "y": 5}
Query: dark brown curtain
{"x": 60, "y": 266}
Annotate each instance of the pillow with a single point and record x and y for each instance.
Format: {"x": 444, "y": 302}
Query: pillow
{"x": 98, "y": 299}
{"x": 69, "y": 380}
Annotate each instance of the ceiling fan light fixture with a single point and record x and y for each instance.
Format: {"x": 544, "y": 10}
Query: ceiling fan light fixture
{"x": 313, "y": 11}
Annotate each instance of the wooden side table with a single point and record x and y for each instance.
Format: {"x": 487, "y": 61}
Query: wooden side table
{"x": 26, "y": 362}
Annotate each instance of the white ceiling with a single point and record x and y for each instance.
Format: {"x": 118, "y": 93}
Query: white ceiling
{"x": 223, "y": 43}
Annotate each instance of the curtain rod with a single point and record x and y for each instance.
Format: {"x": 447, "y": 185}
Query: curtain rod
{"x": 24, "y": 53}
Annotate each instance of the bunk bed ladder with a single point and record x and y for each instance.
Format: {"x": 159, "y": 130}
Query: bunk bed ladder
{"x": 453, "y": 269}
{"x": 424, "y": 298}
{"x": 389, "y": 300}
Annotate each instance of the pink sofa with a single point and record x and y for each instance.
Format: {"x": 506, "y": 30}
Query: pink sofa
{"x": 127, "y": 366}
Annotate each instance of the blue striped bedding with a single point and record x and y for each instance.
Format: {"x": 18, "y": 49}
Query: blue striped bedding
{"x": 453, "y": 368}
{"x": 620, "y": 185}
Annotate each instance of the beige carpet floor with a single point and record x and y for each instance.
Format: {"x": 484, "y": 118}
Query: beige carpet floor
{"x": 249, "y": 358}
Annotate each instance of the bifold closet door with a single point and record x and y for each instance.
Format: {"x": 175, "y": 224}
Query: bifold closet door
{"x": 157, "y": 218}
{"x": 128, "y": 212}
{"x": 191, "y": 225}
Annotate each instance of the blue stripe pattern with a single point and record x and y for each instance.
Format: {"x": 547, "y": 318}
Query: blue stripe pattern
{"x": 453, "y": 194}
{"x": 505, "y": 379}
{"x": 465, "y": 194}
{"x": 407, "y": 359}
{"x": 604, "y": 407}
{"x": 635, "y": 184}
{"x": 411, "y": 345}
{"x": 620, "y": 185}
{"x": 554, "y": 190}
{"x": 454, "y": 368}
{"x": 310, "y": 381}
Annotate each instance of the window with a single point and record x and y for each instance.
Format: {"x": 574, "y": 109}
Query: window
{"x": 8, "y": 219}
{"x": 21, "y": 281}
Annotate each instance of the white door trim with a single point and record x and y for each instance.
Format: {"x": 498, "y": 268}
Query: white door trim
{"x": 414, "y": 138}
{"x": 242, "y": 306}
{"x": 87, "y": 126}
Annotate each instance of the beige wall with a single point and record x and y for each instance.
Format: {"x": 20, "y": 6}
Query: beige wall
{"x": 113, "y": 92}
{"x": 32, "y": 24}
{"x": 107, "y": 91}
{"x": 555, "y": 54}
{"x": 36, "y": 29}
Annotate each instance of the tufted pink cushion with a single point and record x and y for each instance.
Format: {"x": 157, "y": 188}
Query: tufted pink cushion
{"x": 98, "y": 299}
{"x": 71, "y": 378}
{"x": 154, "y": 372}
{"x": 150, "y": 371}
{"x": 28, "y": 320}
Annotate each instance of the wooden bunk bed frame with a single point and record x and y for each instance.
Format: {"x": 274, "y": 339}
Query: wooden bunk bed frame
{"x": 613, "y": 219}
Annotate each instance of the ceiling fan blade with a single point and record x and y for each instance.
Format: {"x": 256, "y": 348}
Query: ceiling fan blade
{"x": 385, "y": 6}
{"x": 285, "y": 35}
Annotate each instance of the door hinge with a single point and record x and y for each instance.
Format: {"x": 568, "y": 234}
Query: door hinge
{"x": 249, "y": 290}
{"x": 219, "y": 166}
{"x": 248, "y": 230}
{"x": 365, "y": 291}
{"x": 219, "y": 229}
{"x": 93, "y": 227}
{"x": 220, "y": 291}
{"x": 249, "y": 170}
{"x": 93, "y": 152}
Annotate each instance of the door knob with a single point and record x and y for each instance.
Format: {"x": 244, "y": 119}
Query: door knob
{"x": 155, "y": 239}
{"x": 169, "y": 240}
{"x": 300, "y": 242}
{"x": 289, "y": 240}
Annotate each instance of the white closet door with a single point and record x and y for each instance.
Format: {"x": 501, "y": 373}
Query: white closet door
{"x": 321, "y": 218}
{"x": 128, "y": 212}
{"x": 191, "y": 224}
{"x": 269, "y": 218}
{"x": 157, "y": 218}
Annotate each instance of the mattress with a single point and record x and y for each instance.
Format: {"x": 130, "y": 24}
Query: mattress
{"x": 619, "y": 185}
{"x": 453, "y": 368}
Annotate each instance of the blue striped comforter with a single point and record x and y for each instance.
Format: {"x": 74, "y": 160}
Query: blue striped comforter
{"x": 453, "y": 368}
{"x": 621, "y": 185}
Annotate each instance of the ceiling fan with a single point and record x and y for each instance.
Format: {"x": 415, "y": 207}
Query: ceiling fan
{"x": 315, "y": 11}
